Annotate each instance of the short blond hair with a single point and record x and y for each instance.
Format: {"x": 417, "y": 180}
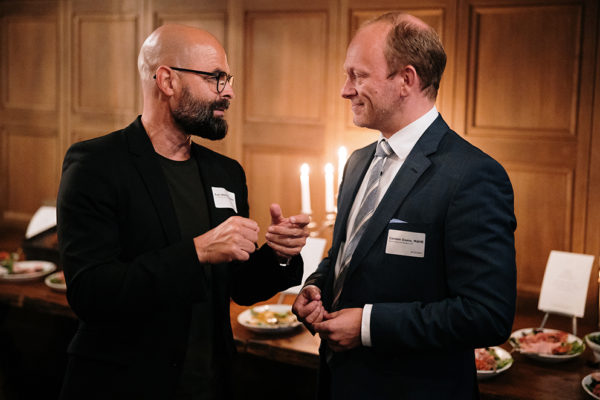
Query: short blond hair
{"x": 409, "y": 43}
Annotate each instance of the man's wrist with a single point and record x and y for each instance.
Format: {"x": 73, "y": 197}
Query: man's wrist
{"x": 284, "y": 261}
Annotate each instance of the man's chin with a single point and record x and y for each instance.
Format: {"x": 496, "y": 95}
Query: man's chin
{"x": 361, "y": 123}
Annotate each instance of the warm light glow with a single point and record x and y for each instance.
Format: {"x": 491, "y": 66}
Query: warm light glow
{"x": 329, "y": 203}
{"x": 304, "y": 169}
{"x": 342, "y": 156}
{"x": 305, "y": 189}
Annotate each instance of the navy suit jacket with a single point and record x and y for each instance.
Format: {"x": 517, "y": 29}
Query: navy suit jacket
{"x": 132, "y": 279}
{"x": 429, "y": 312}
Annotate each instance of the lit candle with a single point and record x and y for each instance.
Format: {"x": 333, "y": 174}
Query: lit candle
{"x": 329, "y": 206}
{"x": 305, "y": 189}
{"x": 342, "y": 155}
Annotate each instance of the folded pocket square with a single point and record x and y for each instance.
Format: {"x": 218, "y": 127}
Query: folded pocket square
{"x": 397, "y": 221}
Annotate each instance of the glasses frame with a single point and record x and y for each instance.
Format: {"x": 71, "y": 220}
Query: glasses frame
{"x": 218, "y": 76}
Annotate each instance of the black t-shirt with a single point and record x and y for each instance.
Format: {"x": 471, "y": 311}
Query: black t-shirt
{"x": 189, "y": 200}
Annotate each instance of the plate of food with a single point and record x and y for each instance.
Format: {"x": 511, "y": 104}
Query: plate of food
{"x": 270, "y": 318}
{"x": 491, "y": 361}
{"x": 548, "y": 345}
{"x": 56, "y": 281}
{"x": 591, "y": 384}
{"x": 27, "y": 270}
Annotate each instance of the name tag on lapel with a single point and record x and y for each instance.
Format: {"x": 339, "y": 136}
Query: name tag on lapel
{"x": 224, "y": 198}
{"x": 403, "y": 243}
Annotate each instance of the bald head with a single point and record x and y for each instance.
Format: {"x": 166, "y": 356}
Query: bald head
{"x": 177, "y": 45}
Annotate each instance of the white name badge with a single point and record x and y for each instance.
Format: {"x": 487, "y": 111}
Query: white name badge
{"x": 224, "y": 198}
{"x": 403, "y": 243}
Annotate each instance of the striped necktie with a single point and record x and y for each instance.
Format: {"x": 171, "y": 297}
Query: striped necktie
{"x": 365, "y": 211}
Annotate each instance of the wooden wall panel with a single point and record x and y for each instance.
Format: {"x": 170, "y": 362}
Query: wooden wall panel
{"x": 285, "y": 80}
{"x": 30, "y": 76}
{"x": 524, "y": 97}
{"x": 105, "y": 78}
{"x": 285, "y": 67}
{"x": 543, "y": 200}
{"x": 30, "y": 179}
{"x": 522, "y": 85}
{"x": 29, "y": 108}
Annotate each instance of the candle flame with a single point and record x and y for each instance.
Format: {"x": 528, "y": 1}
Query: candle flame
{"x": 304, "y": 169}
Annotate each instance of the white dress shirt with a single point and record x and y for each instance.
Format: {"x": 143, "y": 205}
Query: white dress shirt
{"x": 402, "y": 142}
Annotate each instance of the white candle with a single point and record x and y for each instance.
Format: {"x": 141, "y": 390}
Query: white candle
{"x": 305, "y": 189}
{"x": 342, "y": 155}
{"x": 329, "y": 205}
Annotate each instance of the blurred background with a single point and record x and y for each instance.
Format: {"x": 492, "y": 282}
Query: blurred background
{"x": 522, "y": 82}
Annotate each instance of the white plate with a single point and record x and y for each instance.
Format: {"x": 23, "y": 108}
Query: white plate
{"x": 60, "y": 287}
{"x": 549, "y": 358}
{"x": 585, "y": 382}
{"x": 504, "y": 355}
{"x": 245, "y": 317}
{"x": 47, "y": 267}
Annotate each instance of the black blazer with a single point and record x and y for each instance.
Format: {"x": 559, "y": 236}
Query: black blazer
{"x": 429, "y": 312}
{"x": 132, "y": 279}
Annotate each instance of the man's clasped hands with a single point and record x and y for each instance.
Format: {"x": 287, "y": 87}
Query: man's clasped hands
{"x": 340, "y": 329}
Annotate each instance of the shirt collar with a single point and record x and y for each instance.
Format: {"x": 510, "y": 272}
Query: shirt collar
{"x": 405, "y": 139}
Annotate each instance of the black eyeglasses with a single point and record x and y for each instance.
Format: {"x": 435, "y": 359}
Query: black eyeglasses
{"x": 221, "y": 77}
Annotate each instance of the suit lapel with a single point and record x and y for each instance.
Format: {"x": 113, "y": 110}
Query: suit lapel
{"x": 413, "y": 168}
{"x": 353, "y": 177}
{"x": 153, "y": 177}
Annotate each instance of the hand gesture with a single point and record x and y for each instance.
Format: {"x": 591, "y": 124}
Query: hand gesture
{"x": 234, "y": 239}
{"x": 341, "y": 329}
{"x": 308, "y": 306}
{"x": 287, "y": 236}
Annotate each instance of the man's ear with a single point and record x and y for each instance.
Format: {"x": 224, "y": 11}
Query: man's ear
{"x": 408, "y": 80}
{"x": 166, "y": 80}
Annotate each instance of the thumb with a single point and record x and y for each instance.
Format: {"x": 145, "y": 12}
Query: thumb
{"x": 328, "y": 315}
{"x": 276, "y": 216}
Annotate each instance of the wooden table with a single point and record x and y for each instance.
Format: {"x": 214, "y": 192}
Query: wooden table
{"x": 298, "y": 347}
{"x": 35, "y": 295}
{"x": 527, "y": 379}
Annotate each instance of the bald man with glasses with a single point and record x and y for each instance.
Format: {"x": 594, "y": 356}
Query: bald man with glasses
{"x": 155, "y": 238}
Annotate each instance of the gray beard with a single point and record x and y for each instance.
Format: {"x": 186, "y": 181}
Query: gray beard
{"x": 196, "y": 117}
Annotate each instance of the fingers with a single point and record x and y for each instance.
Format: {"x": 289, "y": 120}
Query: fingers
{"x": 245, "y": 223}
{"x": 234, "y": 239}
{"x": 285, "y": 250}
{"x": 312, "y": 292}
{"x": 276, "y": 215}
{"x": 247, "y": 228}
{"x": 301, "y": 220}
{"x": 290, "y": 230}
{"x": 316, "y": 315}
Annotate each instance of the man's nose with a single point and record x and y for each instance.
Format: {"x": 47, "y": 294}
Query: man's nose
{"x": 228, "y": 91}
{"x": 348, "y": 89}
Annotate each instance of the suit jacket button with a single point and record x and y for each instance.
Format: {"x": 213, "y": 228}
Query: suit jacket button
{"x": 174, "y": 365}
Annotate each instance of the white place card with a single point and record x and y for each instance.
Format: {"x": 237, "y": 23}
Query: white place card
{"x": 43, "y": 219}
{"x": 312, "y": 254}
{"x": 565, "y": 284}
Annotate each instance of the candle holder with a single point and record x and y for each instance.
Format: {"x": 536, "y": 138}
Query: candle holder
{"x": 316, "y": 230}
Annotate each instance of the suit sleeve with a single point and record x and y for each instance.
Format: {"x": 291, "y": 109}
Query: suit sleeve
{"x": 479, "y": 258}
{"x": 103, "y": 284}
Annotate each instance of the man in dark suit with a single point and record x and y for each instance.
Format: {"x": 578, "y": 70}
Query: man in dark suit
{"x": 422, "y": 265}
{"x": 155, "y": 237}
